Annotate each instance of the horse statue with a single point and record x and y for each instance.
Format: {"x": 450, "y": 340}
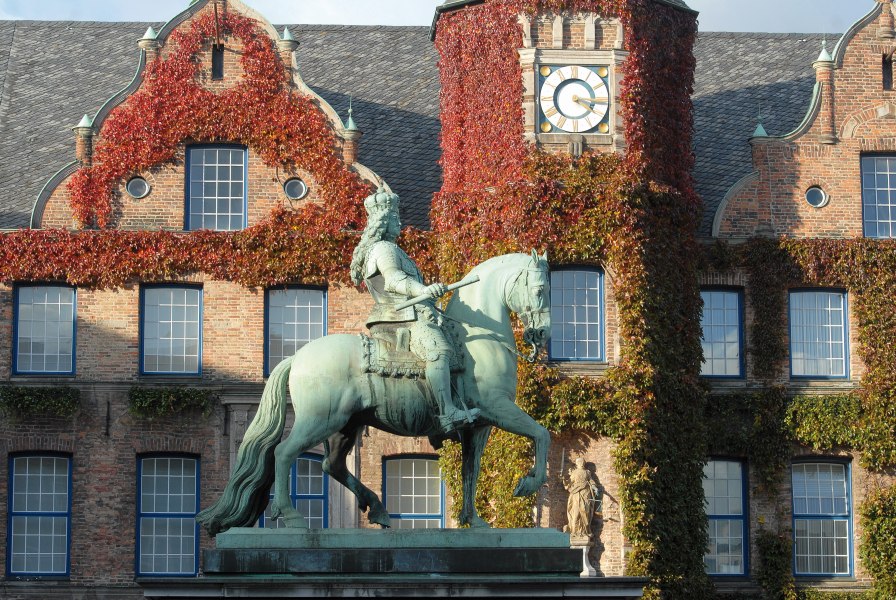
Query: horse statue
{"x": 334, "y": 396}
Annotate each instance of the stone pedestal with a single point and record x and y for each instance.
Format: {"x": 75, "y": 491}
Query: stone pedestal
{"x": 584, "y": 545}
{"x": 284, "y": 563}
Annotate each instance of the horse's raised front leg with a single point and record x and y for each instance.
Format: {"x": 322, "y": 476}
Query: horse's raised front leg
{"x": 338, "y": 447}
{"x": 472, "y": 444}
{"x": 506, "y": 415}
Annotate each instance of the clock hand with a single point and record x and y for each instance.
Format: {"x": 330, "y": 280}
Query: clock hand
{"x": 587, "y": 105}
{"x": 588, "y": 100}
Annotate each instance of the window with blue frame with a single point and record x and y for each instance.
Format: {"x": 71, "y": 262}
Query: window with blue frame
{"x": 879, "y": 196}
{"x": 414, "y": 493}
{"x": 167, "y": 531}
{"x": 44, "y": 330}
{"x": 171, "y": 330}
{"x": 216, "y": 188}
{"x": 821, "y": 519}
{"x": 818, "y": 340}
{"x": 295, "y": 316}
{"x": 309, "y": 492}
{"x": 39, "y": 516}
{"x": 722, "y": 343}
{"x": 577, "y": 315}
{"x": 723, "y": 490}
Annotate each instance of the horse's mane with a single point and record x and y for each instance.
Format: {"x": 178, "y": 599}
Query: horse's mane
{"x": 498, "y": 261}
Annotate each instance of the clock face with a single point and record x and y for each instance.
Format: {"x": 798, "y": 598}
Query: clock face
{"x": 574, "y": 99}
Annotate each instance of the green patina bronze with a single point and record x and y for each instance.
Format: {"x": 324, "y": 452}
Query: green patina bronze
{"x": 342, "y": 383}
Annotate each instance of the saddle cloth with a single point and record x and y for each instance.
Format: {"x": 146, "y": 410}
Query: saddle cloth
{"x": 387, "y": 353}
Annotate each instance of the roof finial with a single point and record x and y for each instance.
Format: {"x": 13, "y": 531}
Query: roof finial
{"x": 825, "y": 56}
{"x": 760, "y": 130}
{"x": 350, "y": 124}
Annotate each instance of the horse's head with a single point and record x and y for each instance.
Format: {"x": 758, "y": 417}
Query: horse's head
{"x": 530, "y": 298}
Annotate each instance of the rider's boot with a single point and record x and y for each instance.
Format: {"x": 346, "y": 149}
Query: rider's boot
{"x": 451, "y": 418}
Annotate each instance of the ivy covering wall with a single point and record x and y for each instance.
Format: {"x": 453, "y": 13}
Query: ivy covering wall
{"x": 635, "y": 216}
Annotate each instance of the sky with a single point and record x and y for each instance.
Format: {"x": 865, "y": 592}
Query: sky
{"x": 798, "y": 16}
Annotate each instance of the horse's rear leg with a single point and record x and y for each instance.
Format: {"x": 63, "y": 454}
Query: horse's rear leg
{"x": 338, "y": 447}
{"x": 472, "y": 444}
{"x": 305, "y": 434}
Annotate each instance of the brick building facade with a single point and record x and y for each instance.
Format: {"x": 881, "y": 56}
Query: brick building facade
{"x": 98, "y": 463}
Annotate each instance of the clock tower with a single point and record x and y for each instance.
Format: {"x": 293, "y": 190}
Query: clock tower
{"x": 599, "y": 76}
{"x": 570, "y": 68}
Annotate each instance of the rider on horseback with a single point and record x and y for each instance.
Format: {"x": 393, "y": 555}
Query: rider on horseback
{"x": 392, "y": 278}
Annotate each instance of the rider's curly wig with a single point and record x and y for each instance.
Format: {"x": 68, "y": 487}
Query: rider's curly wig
{"x": 375, "y": 231}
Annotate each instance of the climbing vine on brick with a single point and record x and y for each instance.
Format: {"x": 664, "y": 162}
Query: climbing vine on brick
{"x": 635, "y": 216}
{"x": 262, "y": 111}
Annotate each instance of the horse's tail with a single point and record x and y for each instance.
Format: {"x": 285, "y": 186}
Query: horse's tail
{"x": 247, "y": 491}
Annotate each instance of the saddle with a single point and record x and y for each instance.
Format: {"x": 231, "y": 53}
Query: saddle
{"x": 387, "y": 352}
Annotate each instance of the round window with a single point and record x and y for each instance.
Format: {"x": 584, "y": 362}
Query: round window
{"x": 138, "y": 187}
{"x": 295, "y": 189}
{"x": 816, "y": 197}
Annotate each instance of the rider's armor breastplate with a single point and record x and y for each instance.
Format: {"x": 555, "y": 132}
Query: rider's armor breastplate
{"x": 384, "y": 309}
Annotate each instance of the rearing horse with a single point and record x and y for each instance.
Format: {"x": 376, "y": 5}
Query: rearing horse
{"x": 333, "y": 398}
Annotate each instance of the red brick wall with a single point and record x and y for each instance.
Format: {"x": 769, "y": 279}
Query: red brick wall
{"x": 573, "y": 34}
{"x": 863, "y": 116}
{"x": 163, "y": 208}
{"x": 104, "y": 441}
{"x": 776, "y": 513}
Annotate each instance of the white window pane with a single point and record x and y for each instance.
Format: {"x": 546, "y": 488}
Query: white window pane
{"x": 818, "y": 333}
{"x": 576, "y": 315}
{"x": 39, "y": 516}
{"x": 45, "y": 325}
{"x": 216, "y": 195}
{"x": 295, "y": 317}
{"x": 171, "y": 330}
{"x": 413, "y": 487}
{"x": 721, "y": 333}
{"x": 168, "y": 537}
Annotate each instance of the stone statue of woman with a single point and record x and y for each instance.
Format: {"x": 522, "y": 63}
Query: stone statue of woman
{"x": 582, "y": 495}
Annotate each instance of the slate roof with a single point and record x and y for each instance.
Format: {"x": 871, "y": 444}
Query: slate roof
{"x": 737, "y": 73}
{"x": 51, "y": 73}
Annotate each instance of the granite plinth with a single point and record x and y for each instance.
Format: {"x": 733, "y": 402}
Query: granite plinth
{"x": 254, "y": 537}
{"x": 369, "y": 563}
{"x": 252, "y": 551}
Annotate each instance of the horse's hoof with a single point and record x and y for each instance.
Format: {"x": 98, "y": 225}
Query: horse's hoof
{"x": 476, "y": 522}
{"x": 295, "y": 521}
{"x": 526, "y": 487}
{"x": 380, "y": 518}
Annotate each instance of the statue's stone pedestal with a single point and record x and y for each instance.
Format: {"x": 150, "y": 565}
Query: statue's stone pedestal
{"x": 584, "y": 544}
{"x": 259, "y": 563}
